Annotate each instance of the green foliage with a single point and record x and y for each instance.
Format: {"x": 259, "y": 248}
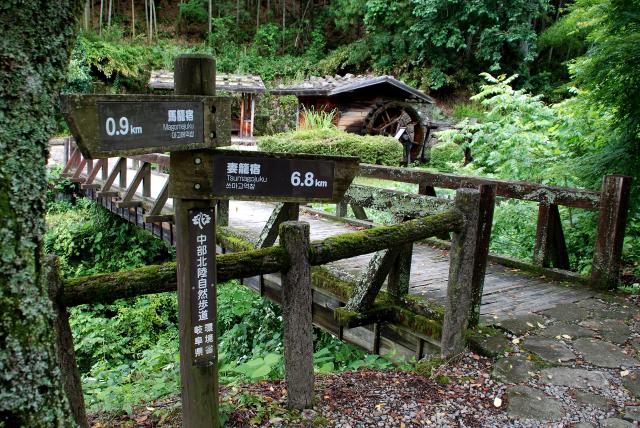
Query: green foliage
{"x": 514, "y": 141}
{"x": 370, "y": 149}
{"x": 194, "y": 11}
{"x": 609, "y": 74}
{"x": 275, "y": 114}
{"x": 267, "y": 40}
{"x": 317, "y": 119}
{"x": 446, "y": 157}
{"x": 90, "y": 240}
{"x": 468, "y": 110}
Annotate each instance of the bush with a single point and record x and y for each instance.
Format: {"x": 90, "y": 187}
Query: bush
{"x": 446, "y": 157}
{"x": 370, "y": 149}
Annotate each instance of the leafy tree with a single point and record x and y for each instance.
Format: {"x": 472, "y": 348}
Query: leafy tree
{"x": 474, "y": 35}
{"x": 35, "y": 48}
{"x": 609, "y": 74}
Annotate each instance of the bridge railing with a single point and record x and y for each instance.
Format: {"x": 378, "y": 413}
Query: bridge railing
{"x": 550, "y": 250}
{"x": 353, "y": 305}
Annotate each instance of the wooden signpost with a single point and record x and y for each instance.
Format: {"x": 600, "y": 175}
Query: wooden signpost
{"x": 190, "y": 125}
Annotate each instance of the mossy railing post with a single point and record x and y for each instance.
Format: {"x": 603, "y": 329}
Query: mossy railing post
{"x": 550, "y": 247}
{"x": 297, "y": 304}
{"x": 607, "y": 253}
{"x": 64, "y": 345}
{"x": 468, "y": 259}
{"x": 195, "y": 75}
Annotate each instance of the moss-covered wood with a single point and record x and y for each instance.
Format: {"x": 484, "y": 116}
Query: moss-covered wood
{"x": 283, "y": 211}
{"x": 378, "y": 238}
{"x": 371, "y": 280}
{"x": 108, "y": 287}
{"x": 37, "y": 38}
{"x": 579, "y": 198}
{"x": 400, "y": 204}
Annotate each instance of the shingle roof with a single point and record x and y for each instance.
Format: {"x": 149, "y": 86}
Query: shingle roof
{"x": 333, "y": 85}
{"x": 163, "y": 79}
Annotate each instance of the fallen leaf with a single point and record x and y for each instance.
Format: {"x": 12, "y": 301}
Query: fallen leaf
{"x": 566, "y": 336}
{"x": 530, "y": 325}
{"x": 541, "y": 325}
{"x": 624, "y": 373}
{"x": 497, "y": 402}
{"x": 515, "y": 341}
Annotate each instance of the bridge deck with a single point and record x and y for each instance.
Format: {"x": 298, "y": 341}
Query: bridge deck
{"x": 507, "y": 292}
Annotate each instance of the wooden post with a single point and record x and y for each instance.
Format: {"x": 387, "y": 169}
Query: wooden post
{"x": 297, "y": 316}
{"x": 400, "y": 273}
{"x": 468, "y": 255}
{"x": 195, "y": 75}
{"x": 550, "y": 248}
{"x": 607, "y": 253}
{"x": 222, "y": 212}
{"x": 341, "y": 209}
{"x": 64, "y": 345}
{"x": 283, "y": 211}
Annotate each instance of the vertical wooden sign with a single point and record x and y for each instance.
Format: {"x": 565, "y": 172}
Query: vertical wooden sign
{"x": 202, "y": 245}
{"x": 195, "y": 253}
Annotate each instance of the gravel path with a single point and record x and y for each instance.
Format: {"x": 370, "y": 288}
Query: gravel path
{"x": 574, "y": 366}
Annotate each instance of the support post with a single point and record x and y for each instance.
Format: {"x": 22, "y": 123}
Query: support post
{"x": 222, "y": 213}
{"x": 297, "y": 316}
{"x": 400, "y": 273}
{"x": 468, "y": 262}
{"x": 64, "y": 345}
{"x": 195, "y": 75}
{"x": 607, "y": 253}
{"x": 283, "y": 211}
{"x": 550, "y": 248}
{"x": 371, "y": 281}
{"x": 341, "y": 209}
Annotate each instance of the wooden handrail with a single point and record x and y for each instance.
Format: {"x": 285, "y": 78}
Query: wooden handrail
{"x": 566, "y": 196}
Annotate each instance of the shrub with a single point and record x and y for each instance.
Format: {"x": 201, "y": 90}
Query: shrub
{"x": 446, "y": 157}
{"x": 370, "y": 149}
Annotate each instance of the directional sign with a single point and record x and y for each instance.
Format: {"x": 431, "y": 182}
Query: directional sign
{"x": 118, "y": 125}
{"x": 245, "y": 175}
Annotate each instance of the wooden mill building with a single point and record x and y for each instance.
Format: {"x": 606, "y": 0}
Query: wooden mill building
{"x": 245, "y": 87}
{"x": 377, "y": 105}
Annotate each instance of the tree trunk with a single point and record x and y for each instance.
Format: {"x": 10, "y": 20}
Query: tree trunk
{"x": 101, "y": 13}
{"x": 38, "y": 38}
{"x": 109, "y": 14}
{"x": 133, "y": 20}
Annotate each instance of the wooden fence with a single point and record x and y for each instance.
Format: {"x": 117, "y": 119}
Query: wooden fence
{"x": 550, "y": 250}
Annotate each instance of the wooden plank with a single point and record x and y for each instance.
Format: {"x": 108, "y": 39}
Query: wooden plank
{"x": 284, "y": 211}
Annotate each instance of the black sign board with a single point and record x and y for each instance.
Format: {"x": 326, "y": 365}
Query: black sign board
{"x": 238, "y": 176}
{"x": 122, "y": 125}
{"x": 260, "y": 176}
{"x": 202, "y": 249}
{"x": 130, "y": 125}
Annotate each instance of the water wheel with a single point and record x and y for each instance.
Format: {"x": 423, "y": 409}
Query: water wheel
{"x": 390, "y": 117}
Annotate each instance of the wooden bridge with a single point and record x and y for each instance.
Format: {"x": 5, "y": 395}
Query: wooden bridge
{"x": 512, "y": 288}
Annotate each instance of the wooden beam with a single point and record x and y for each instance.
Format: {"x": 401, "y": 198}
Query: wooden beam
{"x": 283, "y": 211}
{"x": 607, "y": 253}
{"x": 121, "y": 164}
{"x": 371, "y": 280}
{"x": 579, "y": 198}
{"x": 550, "y": 247}
{"x": 140, "y": 177}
